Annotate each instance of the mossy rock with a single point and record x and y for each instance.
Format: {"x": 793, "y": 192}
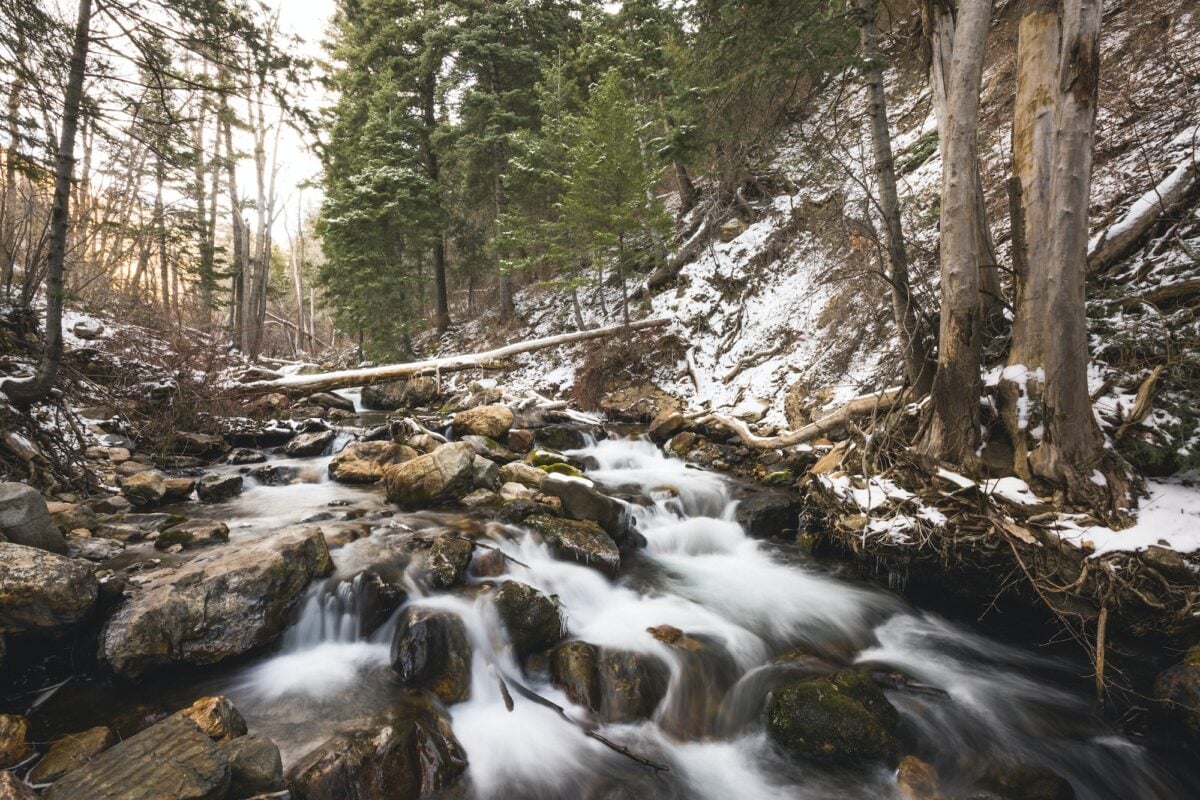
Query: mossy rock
{"x": 562, "y": 469}
{"x": 174, "y": 536}
{"x": 545, "y": 458}
{"x": 843, "y": 717}
{"x": 533, "y": 620}
{"x": 779, "y": 478}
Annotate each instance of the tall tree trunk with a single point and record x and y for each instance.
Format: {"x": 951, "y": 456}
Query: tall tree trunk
{"x": 1072, "y": 443}
{"x": 8, "y": 211}
{"x": 952, "y": 431}
{"x": 940, "y": 31}
{"x": 441, "y": 300}
{"x": 25, "y": 392}
{"x": 237, "y": 251}
{"x": 297, "y": 270}
{"x": 160, "y": 230}
{"x": 914, "y": 341}
{"x": 204, "y": 232}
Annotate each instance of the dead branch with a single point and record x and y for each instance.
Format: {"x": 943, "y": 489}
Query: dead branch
{"x": 1169, "y": 195}
{"x": 307, "y": 384}
{"x": 1141, "y": 406}
{"x": 753, "y": 358}
{"x": 833, "y": 421}
{"x": 1169, "y": 294}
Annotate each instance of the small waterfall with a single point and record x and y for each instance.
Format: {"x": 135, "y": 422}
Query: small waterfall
{"x": 329, "y": 616}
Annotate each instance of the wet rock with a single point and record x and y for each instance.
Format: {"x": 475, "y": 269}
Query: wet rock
{"x": 221, "y": 604}
{"x": 172, "y": 759}
{"x": 178, "y": 489}
{"x": 114, "y": 504}
{"x": 489, "y": 564}
{"x": 145, "y": 488}
{"x": 489, "y": 449}
{"x": 581, "y": 541}
{"x": 533, "y": 621}
{"x": 559, "y": 437}
{"x": 563, "y": 469}
{"x": 217, "y": 718}
{"x": 843, "y": 717}
{"x": 581, "y": 501}
{"x": 518, "y": 510}
{"x": 364, "y": 462}
{"x": 303, "y": 412}
{"x": 917, "y": 780}
{"x": 492, "y": 421}
{"x": 202, "y": 445}
{"x": 72, "y": 516}
{"x": 71, "y": 752}
{"x": 218, "y": 488}
{"x": 481, "y": 498}
{"x": 41, "y": 591}
{"x": 410, "y": 753}
{"x": 665, "y": 425}
{"x": 1021, "y": 782}
{"x": 575, "y": 668}
{"x": 310, "y": 444}
{"x": 524, "y": 474}
{"x": 152, "y": 522}
{"x": 1178, "y": 689}
{"x": 545, "y": 458}
{"x": 705, "y": 673}
{"x": 447, "y": 561}
{"x": 515, "y": 491}
{"x": 430, "y": 651}
{"x": 484, "y": 473}
{"x": 329, "y": 400}
{"x": 267, "y": 404}
{"x": 769, "y": 514}
{"x": 13, "y": 788}
{"x": 197, "y": 531}
{"x": 133, "y": 467}
{"x": 246, "y": 455}
{"x": 14, "y": 740}
{"x": 438, "y": 477}
{"x": 412, "y": 393}
{"x": 632, "y": 685}
{"x": 245, "y": 433}
{"x": 97, "y": 549}
{"x": 255, "y": 766}
{"x": 378, "y": 600}
{"x": 25, "y": 519}
{"x": 424, "y": 443}
{"x": 519, "y": 440}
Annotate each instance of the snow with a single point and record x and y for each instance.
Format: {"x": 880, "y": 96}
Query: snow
{"x": 1169, "y": 518}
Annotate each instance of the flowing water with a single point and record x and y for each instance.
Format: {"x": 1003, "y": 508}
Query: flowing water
{"x": 969, "y": 702}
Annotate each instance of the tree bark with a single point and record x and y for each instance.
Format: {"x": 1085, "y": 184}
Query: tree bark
{"x": 26, "y": 392}
{"x": 951, "y": 432}
{"x": 940, "y": 31}
{"x": 914, "y": 343}
{"x": 1072, "y": 441}
{"x": 237, "y": 251}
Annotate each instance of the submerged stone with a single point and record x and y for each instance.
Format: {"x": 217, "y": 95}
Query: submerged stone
{"x": 843, "y": 717}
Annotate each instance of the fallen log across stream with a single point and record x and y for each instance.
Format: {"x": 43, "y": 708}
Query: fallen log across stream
{"x": 347, "y": 378}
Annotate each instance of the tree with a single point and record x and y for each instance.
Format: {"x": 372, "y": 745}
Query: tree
{"x": 914, "y": 341}
{"x": 610, "y": 193}
{"x": 1053, "y": 142}
{"x": 952, "y": 429}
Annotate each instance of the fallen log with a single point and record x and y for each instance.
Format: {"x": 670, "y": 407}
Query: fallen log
{"x": 1168, "y": 295}
{"x": 344, "y": 379}
{"x": 833, "y": 421}
{"x": 1121, "y": 238}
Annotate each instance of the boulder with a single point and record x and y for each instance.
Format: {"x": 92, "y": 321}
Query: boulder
{"x": 133, "y": 467}
{"x": 364, "y": 462}
{"x": 172, "y": 759}
{"x": 770, "y": 514}
{"x": 1178, "y": 689}
{"x": 917, "y": 780}
{"x": 202, "y": 445}
{"x": 524, "y": 474}
{"x": 217, "y": 717}
{"x": 490, "y": 449}
{"x": 41, "y": 591}
{"x": 25, "y": 519}
{"x": 430, "y": 651}
{"x": 615, "y": 685}
{"x": 178, "y": 489}
{"x": 491, "y": 421}
{"x": 665, "y": 425}
{"x": 412, "y": 393}
{"x": 88, "y": 329}
{"x": 580, "y": 500}
{"x": 315, "y": 443}
{"x": 516, "y": 491}
{"x": 560, "y": 437}
{"x": 196, "y": 532}
{"x": 255, "y": 766}
{"x": 377, "y": 600}
{"x": 581, "y": 541}
{"x": 147, "y": 488}
{"x": 410, "y": 752}
{"x": 151, "y": 522}
{"x": 439, "y": 477}
{"x": 245, "y": 455}
{"x": 1026, "y": 782}
{"x": 221, "y": 604}
{"x": 97, "y": 549}
{"x": 72, "y": 516}
{"x": 575, "y": 668}
{"x": 484, "y": 473}
{"x": 13, "y": 788}
{"x": 71, "y": 752}
{"x": 843, "y": 717}
{"x": 519, "y": 440}
{"x": 113, "y": 504}
{"x": 447, "y": 561}
{"x": 533, "y": 621}
{"x": 218, "y": 488}
{"x": 481, "y": 498}
{"x": 329, "y": 400}
{"x": 14, "y": 740}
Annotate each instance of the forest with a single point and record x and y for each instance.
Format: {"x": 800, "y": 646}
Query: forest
{"x": 475, "y": 399}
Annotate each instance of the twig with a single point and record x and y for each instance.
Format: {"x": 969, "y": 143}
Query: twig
{"x": 483, "y": 546}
